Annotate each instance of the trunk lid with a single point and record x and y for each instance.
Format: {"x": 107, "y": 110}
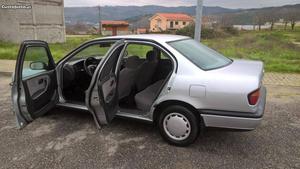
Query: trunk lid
{"x": 244, "y": 68}
{"x": 228, "y": 87}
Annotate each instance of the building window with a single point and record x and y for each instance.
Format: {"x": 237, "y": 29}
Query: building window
{"x": 159, "y": 23}
{"x": 176, "y": 23}
{"x": 171, "y": 24}
{"x": 183, "y": 23}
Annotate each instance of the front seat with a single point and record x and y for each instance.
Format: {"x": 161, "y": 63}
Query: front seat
{"x": 128, "y": 76}
{"x": 147, "y": 70}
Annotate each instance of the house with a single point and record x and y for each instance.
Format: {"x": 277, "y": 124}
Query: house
{"x": 113, "y": 28}
{"x": 169, "y": 21}
{"x": 141, "y": 30}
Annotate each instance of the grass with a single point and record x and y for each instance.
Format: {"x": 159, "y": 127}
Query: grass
{"x": 275, "y": 48}
{"x": 58, "y": 50}
{"x": 138, "y": 50}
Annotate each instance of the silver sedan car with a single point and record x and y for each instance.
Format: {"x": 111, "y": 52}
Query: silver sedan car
{"x": 172, "y": 81}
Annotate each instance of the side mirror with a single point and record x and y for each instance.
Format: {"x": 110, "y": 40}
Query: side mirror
{"x": 37, "y": 65}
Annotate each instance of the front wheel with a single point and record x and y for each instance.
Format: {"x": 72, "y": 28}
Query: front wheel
{"x": 178, "y": 125}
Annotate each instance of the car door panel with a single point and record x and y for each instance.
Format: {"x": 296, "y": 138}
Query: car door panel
{"x": 102, "y": 95}
{"x": 95, "y": 107}
{"x": 40, "y": 90}
{"x": 37, "y": 86}
{"x": 108, "y": 88}
{"x": 34, "y": 90}
{"x": 108, "y": 96}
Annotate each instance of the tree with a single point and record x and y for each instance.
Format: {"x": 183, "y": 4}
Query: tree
{"x": 285, "y": 23}
{"x": 272, "y": 17}
{"x": 292, "y": 17}
{"x": 283, "y": 15}
{"x": 260, "y": 19}
{"x": 225, "y": 20}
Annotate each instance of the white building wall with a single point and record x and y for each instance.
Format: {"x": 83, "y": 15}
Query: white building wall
{"x": 43, "y": 21}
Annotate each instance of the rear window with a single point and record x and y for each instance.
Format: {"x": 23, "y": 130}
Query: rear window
{"x": 202, "y": 56}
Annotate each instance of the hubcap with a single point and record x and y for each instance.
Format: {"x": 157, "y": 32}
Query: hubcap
{"x": 177, "y": 126}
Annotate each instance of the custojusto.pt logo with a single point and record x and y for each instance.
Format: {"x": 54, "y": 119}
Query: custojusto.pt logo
{"x": 23, "y": 6}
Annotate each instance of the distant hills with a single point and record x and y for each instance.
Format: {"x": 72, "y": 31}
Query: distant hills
{"x": 91, "y": 14}
{"x": 246, "y": 16}
{"x": 138, "y": 16}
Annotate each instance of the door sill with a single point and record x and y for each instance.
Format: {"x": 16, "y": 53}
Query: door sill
{"x": 80, "y": 106}
{"x": 133, "y": 115}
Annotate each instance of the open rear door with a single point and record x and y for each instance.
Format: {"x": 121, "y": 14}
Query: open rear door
{"x": 34, "y": 86}
{"x": 102, "y": 95}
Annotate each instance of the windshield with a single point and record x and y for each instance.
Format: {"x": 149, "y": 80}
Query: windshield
{"x": 200, "y": 55}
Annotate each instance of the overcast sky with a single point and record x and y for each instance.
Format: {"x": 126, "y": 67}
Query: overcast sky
{"x": 222, "y": 3}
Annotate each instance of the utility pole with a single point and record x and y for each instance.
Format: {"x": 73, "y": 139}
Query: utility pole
{"x": 197, "y": 35}
{"x": 99, "y": 20}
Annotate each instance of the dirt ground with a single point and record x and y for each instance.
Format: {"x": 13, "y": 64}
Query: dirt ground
{"x": 69, "y": 139}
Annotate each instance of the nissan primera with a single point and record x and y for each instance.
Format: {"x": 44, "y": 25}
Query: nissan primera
{"x": 172, "y": 81}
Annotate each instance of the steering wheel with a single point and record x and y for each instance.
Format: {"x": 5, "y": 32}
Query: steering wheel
{"x": 90, "y": 65}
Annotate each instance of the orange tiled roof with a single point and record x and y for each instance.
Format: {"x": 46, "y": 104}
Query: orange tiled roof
{"x": 109, "y": 22}
{"x": 176, "y": 16}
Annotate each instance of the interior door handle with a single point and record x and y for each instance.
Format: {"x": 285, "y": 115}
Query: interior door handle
{"x": 41, "y": 81}
{"x": 109, "y": 97}
{"x": 112, "y": 82}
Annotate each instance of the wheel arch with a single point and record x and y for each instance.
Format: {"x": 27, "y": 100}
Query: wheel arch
{"x": 167, "y": 103}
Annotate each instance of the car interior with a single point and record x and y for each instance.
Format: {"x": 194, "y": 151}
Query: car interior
{"x": 143, "y": 71}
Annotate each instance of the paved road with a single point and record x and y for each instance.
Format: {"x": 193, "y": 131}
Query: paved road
{"x": 69, "y": 139}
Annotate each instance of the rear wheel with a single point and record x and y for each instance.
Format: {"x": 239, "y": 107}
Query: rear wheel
{"x": 178, "y": 125}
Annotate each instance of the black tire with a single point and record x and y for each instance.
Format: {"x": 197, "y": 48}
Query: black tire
{"x": 189, "y": 115}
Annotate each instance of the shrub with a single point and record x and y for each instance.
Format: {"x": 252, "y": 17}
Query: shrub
{"x": 212, "y": 33}
{"x": 230, "y": 30}
{"x": 208, "y": 33}
{"x": 187, "y": 31}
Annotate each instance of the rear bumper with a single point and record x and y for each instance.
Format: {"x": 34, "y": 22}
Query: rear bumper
{"x": 235, "y": 120}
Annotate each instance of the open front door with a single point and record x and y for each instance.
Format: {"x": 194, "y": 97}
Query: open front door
{"x": 102, "y": 95}
{"x": 34, "y": 86}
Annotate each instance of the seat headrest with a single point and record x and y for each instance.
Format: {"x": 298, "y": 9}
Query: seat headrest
{"x": 132, "y": 62}
{"x": 151, "y": 55}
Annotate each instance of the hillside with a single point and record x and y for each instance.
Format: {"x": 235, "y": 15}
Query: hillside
{"x": 91, "y": 14}
{"x": 139, "y": 21}
{"x": 138, "y": 15}
{"x": 246, "y": 16}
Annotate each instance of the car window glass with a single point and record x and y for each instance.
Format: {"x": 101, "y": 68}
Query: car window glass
{"x": 200, "y": 55}
{"x": 96, "y": 50}
{"x": 36, "y": 60}
{"x": 139, "y": 50}
{"x": 163, "y": 55}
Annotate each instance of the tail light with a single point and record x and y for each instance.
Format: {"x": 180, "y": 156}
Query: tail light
{"x": 253, "y": 97}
